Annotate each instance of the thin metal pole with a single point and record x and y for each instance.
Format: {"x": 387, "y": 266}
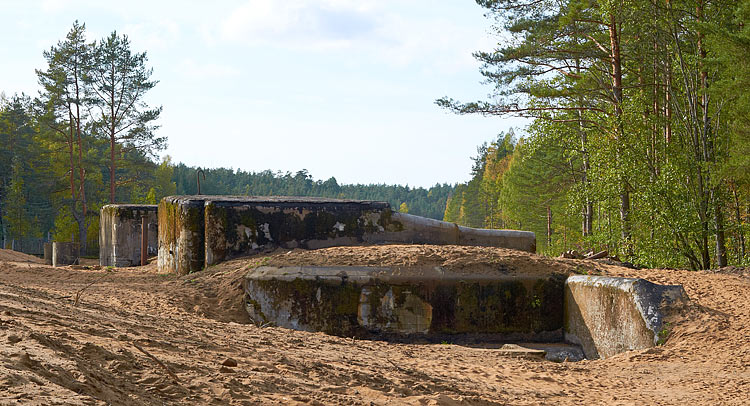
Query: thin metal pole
{"x": 144, "y": 240}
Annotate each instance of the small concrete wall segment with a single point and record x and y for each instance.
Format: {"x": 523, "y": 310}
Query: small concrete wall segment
{"x": 64, "y": 253}
{"x": 181, "y": 234}
{"x": 48, "y": 253}
{"x": 120, "y": 233}
{"x": 609, "y": 315}
{"x": 429, "y": 302}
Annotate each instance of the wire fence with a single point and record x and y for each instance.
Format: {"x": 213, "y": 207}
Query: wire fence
{"x": 35, "y": 246}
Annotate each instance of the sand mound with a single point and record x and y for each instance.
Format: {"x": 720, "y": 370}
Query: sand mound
{"x": 138, "y": 337}
{"x": 456, "y": 258}
{"x": 15, "y": 256}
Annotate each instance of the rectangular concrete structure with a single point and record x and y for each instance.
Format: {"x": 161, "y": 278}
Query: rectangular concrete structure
{"x": 120, "y": 233}
{"x": 48, "y": 253}
{"x": 609, "y": 315}
{"x": 605, "y": 316}
{"x": 197, "y": 231}
{"x": 430, "y": 302}
{"x": 181, "y": 234}
{"x": 65, "y": 253}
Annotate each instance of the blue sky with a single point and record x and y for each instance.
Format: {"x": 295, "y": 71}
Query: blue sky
{"x": 342, "y": 88}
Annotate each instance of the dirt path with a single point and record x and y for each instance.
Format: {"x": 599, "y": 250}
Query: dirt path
{"x": 134, "y": 330}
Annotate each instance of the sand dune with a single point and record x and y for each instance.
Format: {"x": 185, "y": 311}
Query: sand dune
{"x": 137, "y": 337}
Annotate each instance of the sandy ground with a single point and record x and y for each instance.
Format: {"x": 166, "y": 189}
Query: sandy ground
{"x": 73, "y": 335}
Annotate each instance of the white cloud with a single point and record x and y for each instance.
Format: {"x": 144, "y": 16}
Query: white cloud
{"x": 298, "y": 23}
{"x": 206, "y": 70}
{"x": 152, "y": 35}
{"x": 379, "y": 31}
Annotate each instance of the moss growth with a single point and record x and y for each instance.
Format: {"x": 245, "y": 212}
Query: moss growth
{"x": 663, "y": 334}
{"x": 386, "y": 221}
{"x": 335, "y": 313}
{"x": 278, "y": 225}
{"x": 256, "y": 309}
{"x": 511, "y": 306}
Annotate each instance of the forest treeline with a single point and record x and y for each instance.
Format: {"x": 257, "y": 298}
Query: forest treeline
{"x": 89, "y": 139}
{"x": 419, "y": 201}
{"x": 639, "y": 140}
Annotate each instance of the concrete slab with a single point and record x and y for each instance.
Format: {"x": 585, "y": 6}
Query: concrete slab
{"x": 521, "y": 351}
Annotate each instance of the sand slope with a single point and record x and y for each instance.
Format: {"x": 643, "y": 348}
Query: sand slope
{"x": 15, "y": 256}
{"x": 134, "y": 331}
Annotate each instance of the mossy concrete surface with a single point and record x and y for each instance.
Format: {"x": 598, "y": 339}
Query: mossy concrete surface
{"x": 197, "y": 231}
{"x": 252, "y": 225}
{"x": 603, "y": 315}
{"x": 120, "y": 233}
{"x": 181, "y": 234}
{"x": 610, "y": 315}
{"x": 420, "y": 230}
{"x": 429, "y": 302}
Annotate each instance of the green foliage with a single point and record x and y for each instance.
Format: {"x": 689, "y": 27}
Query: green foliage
{"x": 639, "y": 142}
{"x": 222, "y": 181}
{"x": 15, "y": 215}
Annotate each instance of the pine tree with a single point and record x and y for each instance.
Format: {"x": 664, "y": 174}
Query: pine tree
{"x": 119, "y": 83}
{"x": 65, "y": 102}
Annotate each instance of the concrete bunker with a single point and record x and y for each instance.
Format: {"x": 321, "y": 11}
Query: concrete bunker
{"x": 603, "y": 315}
{"x": 198, "y": 231}
{"x": 120, "y": 233}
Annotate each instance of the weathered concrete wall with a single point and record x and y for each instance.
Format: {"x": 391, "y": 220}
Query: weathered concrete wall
{"x": 607, "y": 315}
{"x": 64, "y": 253}
{"x": 429, "y": 302}
{"x": 48, "y": 253}
{"x": 410, "y": 229}
{"x": 120, "y": 233}
{"x": 197, "y": 231}
{"x": 181, "y": 234}
{"x": 249, "y": 225}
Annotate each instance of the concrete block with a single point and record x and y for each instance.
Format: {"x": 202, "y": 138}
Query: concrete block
{"x": 429, "y": 302}
{"x": 609, "y": 315}
{"x": 65, "y": 253}
{"x": 181, "y": 234}
{"x": 120, "y": 233}
{"x": 48, "y": 253}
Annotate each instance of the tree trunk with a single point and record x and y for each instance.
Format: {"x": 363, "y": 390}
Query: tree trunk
{"x": 112, "y": 137}
{"x": 112, "y": 169}
{"x": 620, "y": 133}
{"x": 721, "y": 250}
{"x": 740, "y": 234}
{"x": 549, "y": 227}
{"x": 588, "y": 205}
